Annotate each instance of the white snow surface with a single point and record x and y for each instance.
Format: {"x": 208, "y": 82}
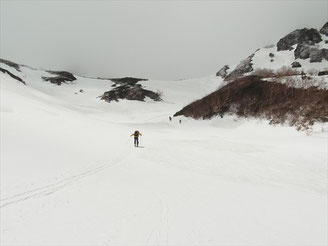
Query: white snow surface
{"x": 262, "y": 59}
{"x": 71, "y": 176}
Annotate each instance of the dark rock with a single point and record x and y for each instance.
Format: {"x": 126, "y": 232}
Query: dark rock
{"x": 127, "y": 80}
{"x": 324, "y": 53}
{"x": 223, "y": 71}
{"x": 296, "y": 64}
{"x": 129, "y": 92}
{"x": 299, "y": 36}
{"x": 324, "y": 29}
{"x": 64, "y": 74}
{"x": 302, "y": 51}
{"x": 81, "y": 91}
{"x": 315, "y": 55}
{"x": 321, "y": 73}
{"x": 271, "y": 55}
{"x": 12, "y": 75}
{"x": 245, "y": 66}
{"x": 11, "y": 64}
{"x": 305, "y": 51}
{"x": 62, "y": 77}
{"x": 271, "y": 60}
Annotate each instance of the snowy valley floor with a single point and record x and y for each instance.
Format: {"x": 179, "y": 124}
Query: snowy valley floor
{"x": 71, "y": 176}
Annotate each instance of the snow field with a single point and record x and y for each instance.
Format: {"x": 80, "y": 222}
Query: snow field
{"x": 71, "y": 176}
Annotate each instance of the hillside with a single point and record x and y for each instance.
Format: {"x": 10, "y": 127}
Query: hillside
{"x": 303, "y": 50}
{"x": 251, "y": 96}
{"x": 283, "y": 83}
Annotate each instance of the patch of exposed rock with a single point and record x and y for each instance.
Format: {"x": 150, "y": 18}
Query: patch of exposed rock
{"x": 11, "y": 64}
{"x": 321, "y": 73}
{"x": 318, "y": 55}
{"x": 245, "y": 66}
{"x": 296, "y": 64}
{"x": 61, "y": 77}
{"x": 127, "y": 80}
{"x": 299, "y": 36}
{"x": 12, "y": 75}
{"x": 324, "y": 29}
{"x": 130, "y": 92}
{"x": 305, "y": 51}
{"x": 223, "y": 71}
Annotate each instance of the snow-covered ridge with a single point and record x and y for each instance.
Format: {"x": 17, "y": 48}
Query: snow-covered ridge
{"x": 303, "y": 50}
{"x": 90, "y": 94}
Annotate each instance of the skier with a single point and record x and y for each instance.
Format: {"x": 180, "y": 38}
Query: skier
{"x": 170, "y": 118}
{"x": 136, "y": 135}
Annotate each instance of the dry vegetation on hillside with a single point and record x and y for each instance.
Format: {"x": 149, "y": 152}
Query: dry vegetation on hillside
{"x": 251, "y": 96}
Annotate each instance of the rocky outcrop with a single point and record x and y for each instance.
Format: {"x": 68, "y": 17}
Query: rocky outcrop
{"x": 61, "y": 77}
{"x": 12, "y": 75}
{"x": 127, "y": 80}
{"x": 299, "y": 36}
{"x": 245, "y": 66}
{"x": 223, "y": 71}
{"x": 321, "y": 73}
{"x": 305, "y": 51}
{"x": 11, "y": 64}
{"x": 130, "y": 92}
{"x": 296, "y": 64}
{"x": 318, "y": 55}
{"x": 324, "y": 29}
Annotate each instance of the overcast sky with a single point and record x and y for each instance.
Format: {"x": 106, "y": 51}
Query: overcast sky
{"x": 150, "y": 39}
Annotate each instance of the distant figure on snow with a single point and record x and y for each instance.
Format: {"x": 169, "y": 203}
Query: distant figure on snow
{"x": 170, "y": 118}
{"x": 179, "y": 121}
{"x": 136, "y": 135}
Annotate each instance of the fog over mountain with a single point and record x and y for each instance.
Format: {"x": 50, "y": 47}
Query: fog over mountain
{"x": 151, "y": 39}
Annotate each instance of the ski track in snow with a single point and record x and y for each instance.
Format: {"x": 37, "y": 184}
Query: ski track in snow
{"x": 52, "y": 188}
{"x": 199, "y": 183}
{"x": 157, "y": 232}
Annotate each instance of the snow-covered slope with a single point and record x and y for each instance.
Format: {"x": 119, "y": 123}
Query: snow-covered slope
{"x": 303, "y": 50}
{"x": 71, "y": 176}
{"x": 262, "y": 58}
{"x": 69, "y": 94}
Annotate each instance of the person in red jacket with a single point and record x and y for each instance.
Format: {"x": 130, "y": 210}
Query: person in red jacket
{"x": 136, "y": 135}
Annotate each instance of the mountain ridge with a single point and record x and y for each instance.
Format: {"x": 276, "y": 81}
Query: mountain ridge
{"x": 299, "y": 59}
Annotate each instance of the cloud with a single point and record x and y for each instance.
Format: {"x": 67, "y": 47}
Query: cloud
{"x": 151, "y": 39}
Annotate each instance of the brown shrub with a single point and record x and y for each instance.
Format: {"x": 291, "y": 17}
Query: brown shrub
{"x": 264, "y": 72}
{"x": 304, "y": 81}
{"x": 312, "y": 72}
{"x": 250, "y": 96}
{"x": 286, "y": 71}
